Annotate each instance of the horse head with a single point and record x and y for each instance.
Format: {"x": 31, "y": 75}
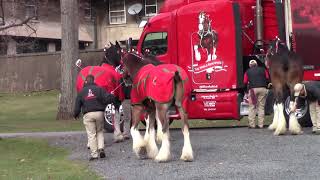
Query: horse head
{"x": 112, "y": 54}
{"x": 277, "y": 46}
{"x": 204, "y": 24}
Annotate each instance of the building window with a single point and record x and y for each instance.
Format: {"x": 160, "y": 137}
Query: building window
{"x": 150, "y": 7}
{"x": 117, "y": 12}
{"x": 31, "y": 9}
{"x": 87, "y": 9}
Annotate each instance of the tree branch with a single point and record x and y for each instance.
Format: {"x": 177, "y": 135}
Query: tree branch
{"x": 24, "y": 22}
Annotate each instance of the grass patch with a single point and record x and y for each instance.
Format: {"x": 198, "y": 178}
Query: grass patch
{"x": 36, "y": 112}
{"x": 35, "y": 159}
{"x": 33, "y": 112}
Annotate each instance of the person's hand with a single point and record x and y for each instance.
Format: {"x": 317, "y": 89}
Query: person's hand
{"x": 269, "y": 85}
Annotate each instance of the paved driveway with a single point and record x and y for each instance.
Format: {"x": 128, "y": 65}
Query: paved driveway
{"x": 220, "y": 153}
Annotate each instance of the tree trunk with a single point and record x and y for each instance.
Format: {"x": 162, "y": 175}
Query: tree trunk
{"x": 69, "y": 54}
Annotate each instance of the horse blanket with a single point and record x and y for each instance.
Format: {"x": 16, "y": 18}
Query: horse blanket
{"x": 157, "y": 83}
{"x": 105, "y": 77}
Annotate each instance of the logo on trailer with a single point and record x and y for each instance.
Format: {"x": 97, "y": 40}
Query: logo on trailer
{"x": 204, "y": 47}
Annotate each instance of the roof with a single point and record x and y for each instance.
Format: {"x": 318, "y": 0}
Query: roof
{"x": 48, "y": 30}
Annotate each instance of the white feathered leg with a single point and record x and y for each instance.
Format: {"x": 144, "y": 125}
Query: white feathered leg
{"x": 152, "y": 149}
{"x": 146, "y": 134}
{"x": 275, "y": 120}
{"x": 164, "y": 153}
{"x": 159, "y": 131}
{"x": 138, "y": 143}
{"x": 187, "y": 153}
{"x": 281, "y": 128}
{"x": 294, "y": 126}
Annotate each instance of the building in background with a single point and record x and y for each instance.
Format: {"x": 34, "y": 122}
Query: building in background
{"x": 100, "y": 22}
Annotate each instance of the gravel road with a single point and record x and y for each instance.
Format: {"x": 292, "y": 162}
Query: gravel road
{"x": 220, "y": 153}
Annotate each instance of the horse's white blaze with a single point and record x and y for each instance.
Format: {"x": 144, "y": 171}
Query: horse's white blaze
{"x": 146, "y": 135}
{"x": 187, "y": 153}
{"x": 294, "y": 126}
{"x": 159, "y": 130}
{"x": 152, "y": 149}
{"x": 281, "y": 128}
{"x": 209, "y": 57}
{"x": 275, "y": 120}
{"x": 164, "y": 153}
{"x": 137, "y": 141}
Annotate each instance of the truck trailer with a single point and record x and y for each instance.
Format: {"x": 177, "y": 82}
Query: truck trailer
{"x": 214, "y": 40}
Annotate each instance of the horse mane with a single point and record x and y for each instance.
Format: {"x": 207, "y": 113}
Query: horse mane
{"x": 134, "y": 63}
{"x": 152, "y": 60}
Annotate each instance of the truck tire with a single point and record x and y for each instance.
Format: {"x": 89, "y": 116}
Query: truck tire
{"x": 302, "y": 113}
{"x": 268, "y": 109}
{"x": 109, "y": 114}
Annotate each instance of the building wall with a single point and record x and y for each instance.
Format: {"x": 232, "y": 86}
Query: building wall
{"x": 48, "y": 24}
{"x": 37, "y": 72}
{"x": 121, "y": 32}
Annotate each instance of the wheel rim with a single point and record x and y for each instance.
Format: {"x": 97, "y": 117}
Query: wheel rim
{"x": 109, "y": 114}
{"x": 300, "y": 112}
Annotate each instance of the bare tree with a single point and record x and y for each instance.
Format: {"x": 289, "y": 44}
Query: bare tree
{"x": 14, "y": 18}
{"x": 69, "y": 54}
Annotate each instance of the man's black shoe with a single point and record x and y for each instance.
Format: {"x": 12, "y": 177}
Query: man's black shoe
{"x": 93, "y": 158}
{"x": 101, "y": 153}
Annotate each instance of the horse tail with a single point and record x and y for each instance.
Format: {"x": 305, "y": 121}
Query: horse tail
{"x": 177, "y": 77}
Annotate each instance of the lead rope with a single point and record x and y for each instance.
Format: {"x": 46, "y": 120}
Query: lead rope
{"x": 116, "y": 88}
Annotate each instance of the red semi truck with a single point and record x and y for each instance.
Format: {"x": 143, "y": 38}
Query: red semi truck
{"x": 215, "y": 39}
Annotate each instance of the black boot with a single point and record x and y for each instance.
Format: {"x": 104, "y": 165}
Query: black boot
{"x": 101, "y": 153}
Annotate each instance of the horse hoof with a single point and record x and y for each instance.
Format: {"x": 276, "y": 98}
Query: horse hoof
{"x": 162, "y": 158}
{"x": 140, "y": 152}
{"x": 296, "y": 133}
{"x": 272, "y": 128}
{"x": 186, "y": 158}
{"x": 278, "y": 133}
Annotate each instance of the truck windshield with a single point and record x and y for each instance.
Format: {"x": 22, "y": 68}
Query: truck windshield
{"x": 155, "y": 43}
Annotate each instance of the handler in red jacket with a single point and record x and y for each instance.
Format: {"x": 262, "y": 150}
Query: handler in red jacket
{"x": 92, "y": 100}
{"x": 257, "y": 80}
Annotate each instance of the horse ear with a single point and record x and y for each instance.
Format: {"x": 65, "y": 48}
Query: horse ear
{"x": 111, "y": 43}
{"x": 118, "y": 45}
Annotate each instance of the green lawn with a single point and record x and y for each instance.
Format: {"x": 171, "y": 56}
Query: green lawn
{"x": 32, "y": 112}
{"x": 35, "y": 159}
{"x": 36, "y": 112}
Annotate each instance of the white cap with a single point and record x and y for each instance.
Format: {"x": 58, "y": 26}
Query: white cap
{"x": 252, "y": 62}
{"x": 298, "y": 88}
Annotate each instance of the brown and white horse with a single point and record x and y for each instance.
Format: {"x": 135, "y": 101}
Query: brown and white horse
{"x": 286, "y": 70}
{"x": 208, "y": 37}
{"x": 156, "y": 88}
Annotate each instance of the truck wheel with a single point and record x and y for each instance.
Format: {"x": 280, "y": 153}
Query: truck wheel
{"x": 109, "y": 114}
{"x": 302, "y": 112}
